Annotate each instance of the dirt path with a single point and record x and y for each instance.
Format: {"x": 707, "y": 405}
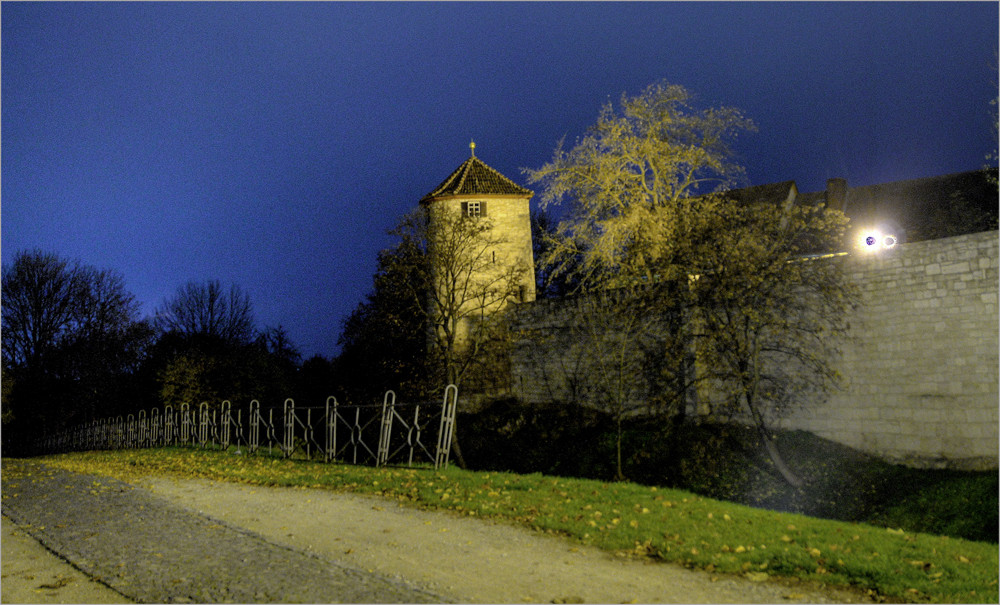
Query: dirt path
{"x": 30, "y": 573}
{"x": 152, "y": 550}
{"x": 469, "y": 560}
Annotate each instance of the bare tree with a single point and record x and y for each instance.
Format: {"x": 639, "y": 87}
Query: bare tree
{"x": 71, "y": 341}
{"x": 205, "y": 309}
{"x": 461, "y": 280}
{"x": 459, "y": 286}
{"x": 40, "y": 302}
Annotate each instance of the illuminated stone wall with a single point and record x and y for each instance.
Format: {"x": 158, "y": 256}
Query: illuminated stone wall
{"x": 921, "y": 372}
{"x": 920, "y": 366}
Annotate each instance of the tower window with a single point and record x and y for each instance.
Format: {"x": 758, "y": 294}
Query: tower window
{"x": 474, "y": 209}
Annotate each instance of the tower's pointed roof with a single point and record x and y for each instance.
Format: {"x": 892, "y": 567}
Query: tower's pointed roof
{"x": 474, "y": 177}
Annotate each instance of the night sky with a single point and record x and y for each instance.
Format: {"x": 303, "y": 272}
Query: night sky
{"x": 272, "y": 145}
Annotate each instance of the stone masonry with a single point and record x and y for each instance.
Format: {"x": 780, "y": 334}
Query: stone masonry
{"x": 920, "y": 364}
{"x": 921, "y": 367}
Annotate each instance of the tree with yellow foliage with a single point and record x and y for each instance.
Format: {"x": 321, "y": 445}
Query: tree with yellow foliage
{"x": 651, "y": 214}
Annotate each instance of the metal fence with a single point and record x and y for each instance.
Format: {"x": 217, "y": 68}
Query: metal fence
{"x": 393, "y": 433}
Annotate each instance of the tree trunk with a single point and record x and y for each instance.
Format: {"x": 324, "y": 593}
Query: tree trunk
{"x": 619, "y": 475}
{"x": 456, "y": 449}
{"x": 750, "y": 396}
{"x": 779, "y": 462}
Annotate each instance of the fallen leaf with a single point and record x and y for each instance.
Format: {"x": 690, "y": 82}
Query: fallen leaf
{"x": 57, "y": 584}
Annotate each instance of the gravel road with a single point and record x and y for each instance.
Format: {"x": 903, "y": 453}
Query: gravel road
{"x": 151, "y": 550}
{"x": 174, "y": 540}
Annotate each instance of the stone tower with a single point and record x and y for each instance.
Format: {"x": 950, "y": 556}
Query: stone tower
{"x": 476, "y": 190}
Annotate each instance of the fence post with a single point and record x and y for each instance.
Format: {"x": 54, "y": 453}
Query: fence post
{"x": 409, "y": 434}
{"x": 239, "y": 430}
{"x": 388, "y": 409}
{"x": 203, "y": 423}
{"x": 289, "y": 436}
{"x": 226, "y": 414}
{"x": 154, "y": 427}
{"x": 185, "y": 413}
{"x": 141, "y": 441}
{"x": 331, "y": 429}
{"x": 254, "y": 440}
{"x": 169, "y": 425}
{"x": 447, "y": 426}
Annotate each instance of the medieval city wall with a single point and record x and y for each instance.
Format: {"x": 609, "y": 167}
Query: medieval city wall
{"x": 920, "y": 369}
{"x": 920, "y": 365}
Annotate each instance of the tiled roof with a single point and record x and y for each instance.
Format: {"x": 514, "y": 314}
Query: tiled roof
{"x": 474, "y": 177}
{"x": 781, "y": 193}
{"x": 919, "y": 209}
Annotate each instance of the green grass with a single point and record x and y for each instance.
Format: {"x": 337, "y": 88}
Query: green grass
{"x": 666, "y": 524}
{"x": 727, "y": 462}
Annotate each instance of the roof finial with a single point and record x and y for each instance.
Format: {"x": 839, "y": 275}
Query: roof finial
{"x": 472, "y": 146}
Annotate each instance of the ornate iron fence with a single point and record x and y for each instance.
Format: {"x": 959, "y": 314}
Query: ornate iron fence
{"x": 393, "y": 433}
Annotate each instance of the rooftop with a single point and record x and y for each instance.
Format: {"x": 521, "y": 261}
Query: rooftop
{"x": 918, "y": 209}
{"x": 474, "y": 177}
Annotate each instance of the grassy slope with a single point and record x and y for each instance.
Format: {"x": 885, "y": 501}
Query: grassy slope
{"x": 728, "y": 463}
{"x": 671, "y": 525}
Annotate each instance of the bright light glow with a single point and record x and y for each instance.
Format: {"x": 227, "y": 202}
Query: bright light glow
{"x": 875, "y": 241}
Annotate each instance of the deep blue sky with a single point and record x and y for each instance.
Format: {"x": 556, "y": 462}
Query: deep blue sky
{"x": 272, "y": 145}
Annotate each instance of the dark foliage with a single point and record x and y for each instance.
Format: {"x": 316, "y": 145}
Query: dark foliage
{"x": 75, "y": 349}
{"x": 548, "y": 284}
{"x": 72, "y": 340}
{"x": 384, "y": 340}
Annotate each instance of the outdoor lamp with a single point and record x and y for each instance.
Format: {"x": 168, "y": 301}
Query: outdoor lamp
{"x": 874, "y": 240}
